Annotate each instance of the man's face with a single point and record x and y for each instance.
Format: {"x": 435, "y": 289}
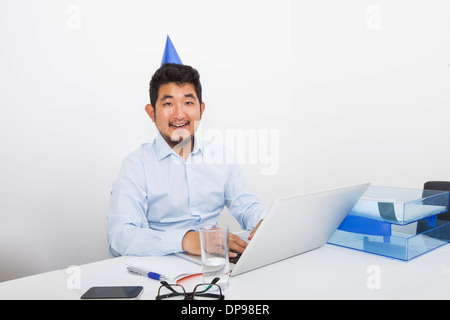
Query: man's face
{"x": 177, "y": 112}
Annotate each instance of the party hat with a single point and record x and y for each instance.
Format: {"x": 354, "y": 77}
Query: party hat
{"x": 170, "y": 54}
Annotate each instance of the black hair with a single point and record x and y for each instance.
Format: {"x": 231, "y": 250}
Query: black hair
{"x": 178, "y": 73}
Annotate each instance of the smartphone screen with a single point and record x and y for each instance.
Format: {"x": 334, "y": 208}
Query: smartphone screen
{"x": 130, "y": 292}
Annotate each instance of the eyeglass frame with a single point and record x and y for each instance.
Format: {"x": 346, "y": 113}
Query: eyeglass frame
{"x": 190, "y": 295}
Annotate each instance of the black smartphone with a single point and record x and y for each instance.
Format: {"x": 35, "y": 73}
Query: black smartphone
{"x": 127, "y": 292}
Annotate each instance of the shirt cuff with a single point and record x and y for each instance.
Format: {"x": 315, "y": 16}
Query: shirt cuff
{"x": 172, "y": 240}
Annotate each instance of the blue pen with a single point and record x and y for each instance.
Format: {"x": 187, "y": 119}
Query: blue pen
{"x": 140, "y": 272}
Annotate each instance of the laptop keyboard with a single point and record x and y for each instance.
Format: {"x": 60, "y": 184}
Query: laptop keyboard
{"x": 235, "y": 259}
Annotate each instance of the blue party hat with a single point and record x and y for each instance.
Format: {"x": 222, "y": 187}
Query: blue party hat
{"x": 170, "y": 54}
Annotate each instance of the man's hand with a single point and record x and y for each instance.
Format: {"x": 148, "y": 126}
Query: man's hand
{"x": 236, "y": 244}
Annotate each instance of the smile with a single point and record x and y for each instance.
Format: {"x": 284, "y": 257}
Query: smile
{"x": 179, "y": 125}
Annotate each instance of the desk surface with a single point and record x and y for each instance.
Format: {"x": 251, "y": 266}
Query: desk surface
{"x": 330, "y": 272}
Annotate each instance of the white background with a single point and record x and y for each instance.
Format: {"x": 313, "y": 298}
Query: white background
{"x": 356, "y": 90}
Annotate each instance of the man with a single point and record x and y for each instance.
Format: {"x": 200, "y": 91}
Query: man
{"x": 167, "y": 189}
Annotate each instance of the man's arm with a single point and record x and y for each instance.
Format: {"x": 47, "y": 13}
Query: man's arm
{"x": 128, "y": 229}
{"x": 253, "y": 231}
{"x": 191, "y": 243}
{"x": 243, "y": 205}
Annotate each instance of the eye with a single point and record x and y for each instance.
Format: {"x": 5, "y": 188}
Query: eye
{"x": 167, "y": 104}
{"x": 189, "y": 103}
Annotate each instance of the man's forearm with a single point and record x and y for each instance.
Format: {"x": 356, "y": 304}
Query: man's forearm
{"x": 191, "y": 242}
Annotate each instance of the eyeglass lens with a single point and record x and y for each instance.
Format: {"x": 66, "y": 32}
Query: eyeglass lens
{"x": 207, "y": 292}
{"x": 171, "y": 292}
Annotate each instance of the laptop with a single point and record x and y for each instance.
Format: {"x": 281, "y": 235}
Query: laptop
{"x": 294, "y": 225}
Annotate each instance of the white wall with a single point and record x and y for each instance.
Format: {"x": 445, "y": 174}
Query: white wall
{"x": 331, "y": 92}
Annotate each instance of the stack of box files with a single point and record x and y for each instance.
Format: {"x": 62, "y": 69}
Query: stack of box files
{"x": 396, "y": 222}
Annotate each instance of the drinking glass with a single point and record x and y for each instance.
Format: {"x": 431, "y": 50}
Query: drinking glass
{"x": 214, "y": 243}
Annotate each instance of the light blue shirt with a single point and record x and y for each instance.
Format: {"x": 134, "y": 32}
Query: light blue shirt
{"x": 158, "y": 197}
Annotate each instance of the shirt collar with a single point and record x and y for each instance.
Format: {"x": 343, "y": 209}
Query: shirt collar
{"x": 162, "y": 148}
{"x": 198, "y": 144}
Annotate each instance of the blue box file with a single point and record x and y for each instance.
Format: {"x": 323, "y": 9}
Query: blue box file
{"x": 395, "y": 222}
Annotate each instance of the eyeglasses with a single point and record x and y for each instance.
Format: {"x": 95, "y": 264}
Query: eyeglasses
{"x": 204, "y": 291}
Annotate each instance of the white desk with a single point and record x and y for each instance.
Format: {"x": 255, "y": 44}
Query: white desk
{"x": 330, "y": 272}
